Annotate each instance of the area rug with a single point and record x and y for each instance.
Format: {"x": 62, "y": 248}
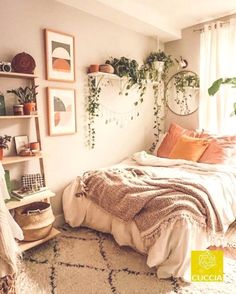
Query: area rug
{"x": 83, "y": 261}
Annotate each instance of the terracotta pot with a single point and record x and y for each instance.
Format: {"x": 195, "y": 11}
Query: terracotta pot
{"x": 94, "y": 68}
{"x": 18, "y": 109}
{"x": 1, "y": 153}
{"x": 34, "y": 146}
{"x": 29, "y": 108}
{"x": 107, "y": 68}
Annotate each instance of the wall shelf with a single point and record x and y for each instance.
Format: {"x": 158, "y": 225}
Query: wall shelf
{"x": 14, "y": 203}
{"x": 17, "y": 116}
{"x": 17, "y": 159}
{"x": 17, "y": 75}
{"x": 28, "y": 245}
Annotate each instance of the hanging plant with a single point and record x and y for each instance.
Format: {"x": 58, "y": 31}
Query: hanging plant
{"x": 158, "y": 62}
{"x": 157, "y": 66}
{"x": 183, "y": 81}
{"x": 92, "y": 109}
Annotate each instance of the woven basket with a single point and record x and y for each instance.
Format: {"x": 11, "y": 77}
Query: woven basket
{"x": 35, "y": 220}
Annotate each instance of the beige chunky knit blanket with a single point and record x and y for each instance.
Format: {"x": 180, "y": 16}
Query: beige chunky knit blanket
{"x": 133, "y": 194}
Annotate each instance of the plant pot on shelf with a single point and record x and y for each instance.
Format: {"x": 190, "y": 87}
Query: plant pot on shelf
{"x": 94, "y": 68}
{"x": 18, "y": 109}
{"x": 29, "y": 108}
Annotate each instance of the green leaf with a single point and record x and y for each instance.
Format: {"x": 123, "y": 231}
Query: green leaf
{"x": 215, "y": 87}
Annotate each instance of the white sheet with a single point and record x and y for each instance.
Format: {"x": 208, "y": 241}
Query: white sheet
{"x": 171, "y": 252}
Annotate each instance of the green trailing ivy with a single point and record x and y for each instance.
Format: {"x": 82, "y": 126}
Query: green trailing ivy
{"x": 92, "y": 109}
{"x": 157, "y": 77}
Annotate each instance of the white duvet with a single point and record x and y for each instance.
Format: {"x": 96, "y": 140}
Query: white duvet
{"x": 172, "y": 250}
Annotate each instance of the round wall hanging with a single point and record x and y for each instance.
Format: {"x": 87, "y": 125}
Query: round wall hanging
{"x": 23, "y": 63}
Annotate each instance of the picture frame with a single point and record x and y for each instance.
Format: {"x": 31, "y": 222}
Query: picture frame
{"x": 61, "y": 111}
{"x": 21, "y": 143}
{"x": 59, "y": 53}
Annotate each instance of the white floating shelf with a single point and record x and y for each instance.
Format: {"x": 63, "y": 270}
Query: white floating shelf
{"x": 100, "y": 74}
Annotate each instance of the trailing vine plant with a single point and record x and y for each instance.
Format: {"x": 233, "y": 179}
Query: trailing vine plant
{"x": 92, "y": 109}
{"x": 158, "y": 76}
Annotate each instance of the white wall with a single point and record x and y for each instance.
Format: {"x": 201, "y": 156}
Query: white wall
{"x": 21, "y": 29}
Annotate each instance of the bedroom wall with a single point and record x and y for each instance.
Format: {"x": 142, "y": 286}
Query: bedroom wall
{"x": 189, "y": 48}
{"x": 22, "y": 23}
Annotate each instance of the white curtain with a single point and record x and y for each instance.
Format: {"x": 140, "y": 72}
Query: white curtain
{"x": 217, "y": 60}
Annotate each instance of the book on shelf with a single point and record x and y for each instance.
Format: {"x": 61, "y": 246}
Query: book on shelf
{"x": 19, "y": 194}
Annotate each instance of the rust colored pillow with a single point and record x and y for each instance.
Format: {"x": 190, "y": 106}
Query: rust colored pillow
{"x": 219, "y": 150}
{"x": 189, "y": 148}
{"x": 174, "y": 133}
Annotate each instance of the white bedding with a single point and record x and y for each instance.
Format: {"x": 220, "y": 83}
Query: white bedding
{"x": 171, "y": 251}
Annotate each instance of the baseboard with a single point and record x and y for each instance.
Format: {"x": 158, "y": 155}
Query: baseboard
{"x": 59, "y": 220}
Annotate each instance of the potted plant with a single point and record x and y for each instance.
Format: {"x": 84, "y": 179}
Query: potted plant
{"x": 217, "y": 84}
{"x": 4, "y": 140}
{"x": 158, "y": 62}
{"x": 184, "y": 81}
{"x": 27, "y": 97}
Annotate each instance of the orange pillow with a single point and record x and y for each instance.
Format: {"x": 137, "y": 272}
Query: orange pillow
{"x": 174, "y": 133}
{"x": 189, "y": 148}
{"x": 220, "y": 150}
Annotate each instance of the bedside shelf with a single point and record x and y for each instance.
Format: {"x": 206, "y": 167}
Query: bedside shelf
{"x": 14, "y": 203}
{"x": 28, "y": 245}
{"x": 17, "y": 116}
{"x": 17, "y": 159}
{"x": 17, "y": 75}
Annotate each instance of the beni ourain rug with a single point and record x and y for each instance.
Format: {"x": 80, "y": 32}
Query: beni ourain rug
{"x": 83, "y": 261}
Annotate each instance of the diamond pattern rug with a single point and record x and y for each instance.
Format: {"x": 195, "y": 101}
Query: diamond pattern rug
{"x": 83, "y": 261}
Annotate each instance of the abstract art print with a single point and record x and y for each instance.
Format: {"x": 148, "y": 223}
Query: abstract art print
{"x": 61, "y": 111}
{"x": 60, "y": 61}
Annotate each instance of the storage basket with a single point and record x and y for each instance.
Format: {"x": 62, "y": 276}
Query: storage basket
{"x": 35, "y": 220}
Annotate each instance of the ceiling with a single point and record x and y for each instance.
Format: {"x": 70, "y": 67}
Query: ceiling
{"x": 162, "y": 18}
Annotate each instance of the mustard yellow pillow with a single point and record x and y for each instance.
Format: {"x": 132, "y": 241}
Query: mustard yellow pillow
{"x": 189, "y": 148}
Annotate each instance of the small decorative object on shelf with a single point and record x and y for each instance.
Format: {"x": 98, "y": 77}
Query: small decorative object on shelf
{"x": 34, "y": 146}
{"x": 107, "y": 68}
{"x": 27, "y": 97}
{"x": 94, "y": 68}
{"x": 2, "y": 105}
{"x": 18, "y": 109}
{"x": 22, "y": 144}
{"x": 23, "y": 63}
{"x": 5, "y": 66}
{"x": 34, "y": 182}
{"x": 4, "y": 141}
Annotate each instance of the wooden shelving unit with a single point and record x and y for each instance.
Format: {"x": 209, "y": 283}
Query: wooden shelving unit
{"x": 14, "y": 203}
{"x": 17, "y": 159}
{"x": 17, "y": 116}
{"x": 17, "y": 75}
{"x": 10, "y": 160}
{"x": 28, "y": 245}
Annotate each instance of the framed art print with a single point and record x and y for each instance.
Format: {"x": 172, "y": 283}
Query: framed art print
{"x": 21, "y": 142}
{"x": 60, "y": 60}
{"x": 61, "y": 111}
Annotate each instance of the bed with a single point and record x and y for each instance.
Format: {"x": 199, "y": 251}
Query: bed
{"x": 170, "y": 250}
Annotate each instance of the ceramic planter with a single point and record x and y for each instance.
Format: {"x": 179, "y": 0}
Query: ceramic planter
{"x": 29, "y": 108}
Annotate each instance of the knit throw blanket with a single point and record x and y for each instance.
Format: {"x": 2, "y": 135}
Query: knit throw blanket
{"x": 133, "y": 194}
